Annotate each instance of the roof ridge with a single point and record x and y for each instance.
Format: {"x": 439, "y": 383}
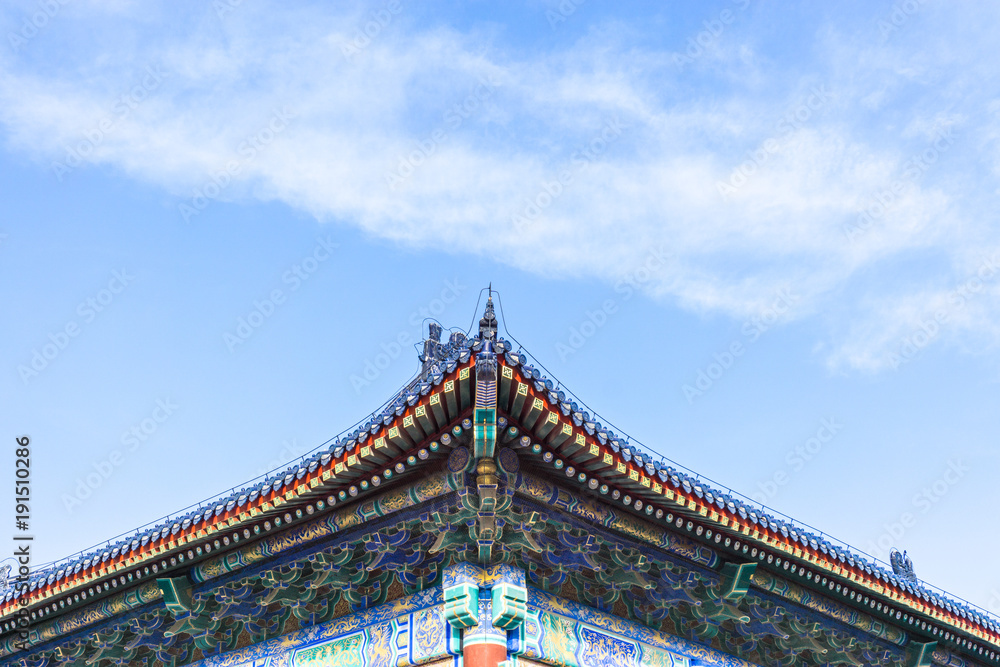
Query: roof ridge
{"x": 746, "y": 506}
{"x": 448, "y": 357}
{"x": 439, "y": 360}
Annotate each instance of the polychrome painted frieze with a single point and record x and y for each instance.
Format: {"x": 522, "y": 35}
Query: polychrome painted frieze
{"x": 565, "y": 633}
{"x": 408, "y": 631}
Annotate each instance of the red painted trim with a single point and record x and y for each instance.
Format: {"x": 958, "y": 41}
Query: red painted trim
{"x": 483, "y": 655}
{"x": 173, "y": 544}
{"x": 743, "y": 529}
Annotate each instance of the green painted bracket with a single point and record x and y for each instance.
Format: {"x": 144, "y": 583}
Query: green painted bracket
{"x": 509, "y": 605}
{"x": 918, "y": 654}
{"x": 176, "y": 594}
{"x": 484, "y": 433}
{"x": 461, "y": 605}
{"x": 485, "y": 550}
{"x": 736, "y": 580}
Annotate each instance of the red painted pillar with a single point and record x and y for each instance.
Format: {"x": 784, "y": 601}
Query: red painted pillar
{"x": 483, "y": 654}
{"x": 484, "y": 616}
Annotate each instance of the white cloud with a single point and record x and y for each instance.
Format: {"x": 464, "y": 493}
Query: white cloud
{"x": 652, "y": 178}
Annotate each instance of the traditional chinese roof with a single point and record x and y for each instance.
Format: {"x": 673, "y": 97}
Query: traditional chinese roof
{"x": 552, "y": 453}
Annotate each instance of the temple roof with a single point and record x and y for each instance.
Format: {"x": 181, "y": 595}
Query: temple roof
{"x": 540, "y": 420}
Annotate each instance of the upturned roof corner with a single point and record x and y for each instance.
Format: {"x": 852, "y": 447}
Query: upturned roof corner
{"x": 481, "y": 459}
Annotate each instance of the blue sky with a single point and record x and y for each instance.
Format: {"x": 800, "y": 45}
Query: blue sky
{"x": 759, "y": 237}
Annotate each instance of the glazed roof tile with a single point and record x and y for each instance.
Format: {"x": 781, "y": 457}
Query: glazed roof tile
{"x": 267, "y": 492}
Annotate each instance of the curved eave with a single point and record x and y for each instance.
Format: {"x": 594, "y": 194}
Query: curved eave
{"x": 387, "y": 449}
{"x": 567, "y": 443}
{"x": 434, "y": 415}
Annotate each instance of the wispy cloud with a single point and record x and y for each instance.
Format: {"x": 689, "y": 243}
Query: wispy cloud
{"x": 360, "y": 112}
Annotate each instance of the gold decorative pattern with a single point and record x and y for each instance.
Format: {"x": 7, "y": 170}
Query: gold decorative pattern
{"x": 797, "y": 594}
